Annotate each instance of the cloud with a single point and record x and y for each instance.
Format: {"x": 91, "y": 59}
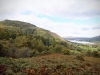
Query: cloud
{"x": 96, "y": 27}
{"x": 29, "y": 10}
{"x": 84, "y": 29}
{"x": 77, "y": 9}
{"x": 62, "y": 29}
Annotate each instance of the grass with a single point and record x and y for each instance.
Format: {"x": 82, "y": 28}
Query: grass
{"x": 53, "y": 64}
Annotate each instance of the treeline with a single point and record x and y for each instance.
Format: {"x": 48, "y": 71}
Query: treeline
{"x": 17, "y": 44}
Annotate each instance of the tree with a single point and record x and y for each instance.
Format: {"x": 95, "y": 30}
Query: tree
{"x": 58, "y": 48}
{"x": 21, "y": 41}
{"x": 40, "y": 46}
{"x": 34, "y": 43}
{"x": 4, "y": 34}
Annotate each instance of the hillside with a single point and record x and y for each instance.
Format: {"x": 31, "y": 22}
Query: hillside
{"x": 21, "y": 39}
{"x": 27, "y": 28}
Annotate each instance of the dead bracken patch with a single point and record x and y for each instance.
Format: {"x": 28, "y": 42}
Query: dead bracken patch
{"x": 53, "y": 64}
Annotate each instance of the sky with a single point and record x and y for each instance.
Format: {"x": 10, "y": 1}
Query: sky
{"x": 67, "y": 18}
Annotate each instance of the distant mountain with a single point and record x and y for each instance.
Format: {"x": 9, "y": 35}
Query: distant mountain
{"x": 77, "y": 38}
{"x": 97, "y": 38}
{"x": 93, "y": 39}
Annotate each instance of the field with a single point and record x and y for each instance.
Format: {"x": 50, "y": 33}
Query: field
{"x": 53, "y": 64}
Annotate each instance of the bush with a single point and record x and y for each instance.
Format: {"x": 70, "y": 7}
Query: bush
{"x": 88, "y": 53}
{"x": 80, "y": 58}
{"x": 95, "y": 54}
{"x": 23, "y": 53}
{"x": 66, "y": 52}
{"x": 79, "y": 49}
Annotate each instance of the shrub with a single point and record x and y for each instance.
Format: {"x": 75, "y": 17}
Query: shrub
{"x": 66, "y": 52}
{"x": 79, "y": 49}
{"x": 57, "y": 49}
{"x": 23, "y": 52}
{"x": 80, "y": 58}
{"x": 95, "y": 54}
{"x": 88, "y": 53}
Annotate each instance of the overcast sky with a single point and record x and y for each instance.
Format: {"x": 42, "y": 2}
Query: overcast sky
{"x": 78, "y": 18}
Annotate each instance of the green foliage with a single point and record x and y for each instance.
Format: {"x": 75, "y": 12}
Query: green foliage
{"x": 40, "y": 46}
{"x": 57, "y": 48}
{"x": 21, "y": 41}
{"x": 66, "y": 51}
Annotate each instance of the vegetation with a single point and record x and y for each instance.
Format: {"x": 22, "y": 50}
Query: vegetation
{"x": 29, "y": 50}
{"x": 52, "y": 64}
{"x": 20, "y": 39}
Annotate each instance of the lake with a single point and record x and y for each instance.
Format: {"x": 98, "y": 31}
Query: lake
{"x": 81, "y": 42}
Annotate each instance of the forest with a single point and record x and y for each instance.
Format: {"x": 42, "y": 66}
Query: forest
{"x": 19, "y": 39}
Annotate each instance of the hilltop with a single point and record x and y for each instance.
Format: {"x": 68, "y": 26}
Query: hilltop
{"x": 27, "y": 28}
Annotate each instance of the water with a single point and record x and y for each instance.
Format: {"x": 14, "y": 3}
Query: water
{"x": 81, "y": 42}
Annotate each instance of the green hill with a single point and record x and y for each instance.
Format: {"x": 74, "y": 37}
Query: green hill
{"x": 19, "y": 38}
{"x": 27, "y": 28}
